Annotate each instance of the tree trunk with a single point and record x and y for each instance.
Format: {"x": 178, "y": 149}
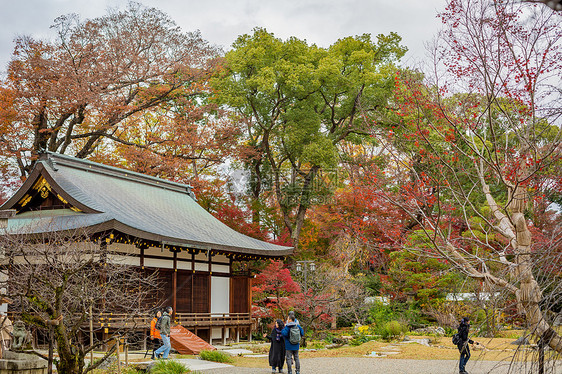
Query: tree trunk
{"x": 530, "y": 294}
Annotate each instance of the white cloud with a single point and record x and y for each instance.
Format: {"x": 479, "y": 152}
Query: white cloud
{"x": 221, "y": 21}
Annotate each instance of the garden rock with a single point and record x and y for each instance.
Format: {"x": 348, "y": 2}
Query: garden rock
{"x": 342, "y": 340}
{"x": 375, "y": 354}
{"x": 424, "y": 341}
{"x": 521, "y": 341}
{"x": 435, "y": 330}
{"x": 108, "y": 363}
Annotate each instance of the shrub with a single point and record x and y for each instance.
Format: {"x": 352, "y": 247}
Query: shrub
{"x": 169, "y": 367}
{"x": 380, "y": 313}
{"x": 392, "y": 329}
{"x": 317, "y": 344}
{"x": 216, "y": 356}
{"x": 360, "y": 339}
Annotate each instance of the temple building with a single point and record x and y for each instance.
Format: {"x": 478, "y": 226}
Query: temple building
{"x": 153, "y": 224}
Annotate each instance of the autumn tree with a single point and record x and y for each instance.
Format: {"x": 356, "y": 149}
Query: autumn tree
{"x": 356, "y": 230}
{"x": 275, "y": 289}
{"x": 478, "y": 147}
{"x": 58, "y": 282}
{"x": 328, "y": 292}
{"x": 125, "y": 78}
{"x": 298, "y": 102}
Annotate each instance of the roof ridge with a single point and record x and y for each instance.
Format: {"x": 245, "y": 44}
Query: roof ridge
{"x": 53, "y": 159}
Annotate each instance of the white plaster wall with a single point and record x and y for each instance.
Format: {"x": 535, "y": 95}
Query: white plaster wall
{"x": 220, "y": 268}
{"x": 157, "y": 251}
{"x": 201, "y": 256}
{"x": 184, "y": 255}
{"x": 124, "y": 248}
{"x": 158, "y": 263}
{"x": 184, "y": 265}
{"x": 220, "y": 295}
{"x": 124, "y": 260}
{"x": 221, "y": 258}
{"x": 216, "y": 333}
{"x": 201, "y": 267}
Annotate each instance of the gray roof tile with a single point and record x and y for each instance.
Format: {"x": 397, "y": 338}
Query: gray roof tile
{"x": 139, "y": 205}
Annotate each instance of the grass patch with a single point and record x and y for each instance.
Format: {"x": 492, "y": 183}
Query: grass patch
{"x": 216, "y": 356}
{"x": 113, "y": 369}
{"x": 169, "y": 367}
{"x": 492, "y": 349}
{"x": 510, "y": 334}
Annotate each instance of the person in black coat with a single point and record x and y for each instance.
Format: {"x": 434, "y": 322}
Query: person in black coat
{"x": 277, "y": 349}
{"x": 463, "y": 344}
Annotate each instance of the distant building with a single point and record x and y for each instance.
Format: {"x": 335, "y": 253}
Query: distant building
{"x": 471, "y": 296}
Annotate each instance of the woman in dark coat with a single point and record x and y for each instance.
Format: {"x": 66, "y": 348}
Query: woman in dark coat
{"x": 463, "y": 344}
{"x": 277, "y": 349}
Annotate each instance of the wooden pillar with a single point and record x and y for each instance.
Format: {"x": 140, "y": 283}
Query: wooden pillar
{"x": 126, "y": 349}
{"x": 174, "y": 285}
{"x": 91, "y": 334}
{"x": 210, "y": 274}
{"x": 192, "y": 276}
{"x": 224, "y": 335}
{"x": 103, "y": 260}
{"x": 249, "y": 310}
{"x": 541, "y": 344}
{"x": 231, "y": 286}
{"x": 104, "y": 338}
{"x": 237, "y": 334}
{"x": 211, "y": 335}
{"x": 146, "y": 333}
{"x": 118, "y": 356}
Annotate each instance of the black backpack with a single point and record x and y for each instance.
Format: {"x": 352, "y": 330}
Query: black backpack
{"x": 456, "y": 339}
{"x": 158, "y": 325}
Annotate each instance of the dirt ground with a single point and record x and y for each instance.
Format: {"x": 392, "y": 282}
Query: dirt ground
{"x": 364, "y": 365}
{"x": 495, "y": 355}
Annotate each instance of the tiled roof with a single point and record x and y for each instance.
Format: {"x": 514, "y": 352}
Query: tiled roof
{"x": 145, "y": 207}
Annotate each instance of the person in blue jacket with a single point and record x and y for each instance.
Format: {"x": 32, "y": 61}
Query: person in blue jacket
{"x": 292, "y": 332}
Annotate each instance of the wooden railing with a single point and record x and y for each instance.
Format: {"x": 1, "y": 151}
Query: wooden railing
{"x": 213, "y": 319}
{"x": 120, "y": 320}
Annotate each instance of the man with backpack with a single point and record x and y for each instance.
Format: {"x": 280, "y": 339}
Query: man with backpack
{"x": 292, "y": 332}
{"x": 163, "y": 324}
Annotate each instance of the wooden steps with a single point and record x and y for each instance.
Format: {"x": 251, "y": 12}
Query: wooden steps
{"x": 186, "y": 342}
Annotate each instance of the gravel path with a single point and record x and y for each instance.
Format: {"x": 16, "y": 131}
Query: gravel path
{"x": 364, "y": 365}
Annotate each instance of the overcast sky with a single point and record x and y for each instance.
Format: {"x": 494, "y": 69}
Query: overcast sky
{"x": 318, "y": 21}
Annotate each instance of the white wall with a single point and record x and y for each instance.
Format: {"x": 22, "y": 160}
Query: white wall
{"x": 220, "y": 268}
{"x": 220, "y": 295}
{"x": 216, "y": 333}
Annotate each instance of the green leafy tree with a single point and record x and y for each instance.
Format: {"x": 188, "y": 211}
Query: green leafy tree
{"x": 298, "y": 102}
